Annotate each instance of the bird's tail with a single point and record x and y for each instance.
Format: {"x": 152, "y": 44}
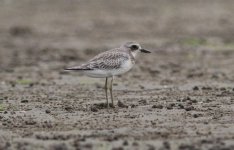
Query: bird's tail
{"x": 77, "y": 68}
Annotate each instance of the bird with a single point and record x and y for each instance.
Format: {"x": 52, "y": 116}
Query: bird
{"x": 111, "y": 63}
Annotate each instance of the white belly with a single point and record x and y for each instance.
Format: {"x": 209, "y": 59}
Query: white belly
{"x": 125, "y": 67}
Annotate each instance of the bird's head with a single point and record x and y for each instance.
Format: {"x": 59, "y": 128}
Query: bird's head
{"x": 134, "y": 48}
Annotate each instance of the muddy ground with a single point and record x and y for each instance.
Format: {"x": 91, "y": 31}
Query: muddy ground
{"x": 179, "y": 97}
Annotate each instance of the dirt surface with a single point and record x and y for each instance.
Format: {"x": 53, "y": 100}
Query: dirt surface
{"x": 179, "y": 97}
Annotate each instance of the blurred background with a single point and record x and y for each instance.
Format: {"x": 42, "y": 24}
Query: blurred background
{"x": 32, "y": 31}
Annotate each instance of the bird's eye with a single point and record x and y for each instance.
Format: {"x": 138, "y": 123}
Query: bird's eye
{"x": 134, "y": 47}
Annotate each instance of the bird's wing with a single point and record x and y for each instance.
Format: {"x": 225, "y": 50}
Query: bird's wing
{"x": 112, "y": 59}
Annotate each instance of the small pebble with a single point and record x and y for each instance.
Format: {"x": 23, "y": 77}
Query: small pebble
{"x": 223, "y": 89}
{"x": 24, "y": 101}
{"x": 194, "y": 101}
{"x": 143, "y": 101}
{"x": 189, "y": 108}
{"x": 166, "y": 145}
{"x": 181, "y": 106}
{"x": 121, "y": 104}
{"x": 158, "y": 106}
{"x": 189, "y": 103}
{"x": 118, "y": 148}
{"x": 195, "y": 115}
{"x": 94, "y": 109}
{"x": 133, "y": 106}
{"x": 169, "y": 107}
{"x": 68, "y": 108}
{"x": 125, "y": 143}
{"x": 48, "y": 111}
{"x": 195, "y": 88}
{"x": 206, "y": 88}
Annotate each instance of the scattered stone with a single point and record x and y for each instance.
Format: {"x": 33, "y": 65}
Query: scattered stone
{"x": 181, "y": 106}
{"x": 12, "y": 84}
{"x": 206, "y": 141}
{"x": 125, "y": 143}
{"x": 142, "y": 87}
{"x": 194, "y": 101}
{"x": 94, "y": 109}
{"x": 170, "y": 106}
{"x": 222, "y": 88}
{"x": 118, "y": 148}
{"x": 189, "y": 108}
{"x": 154, "y": 71}
{"x": 143, "y": 101}
{"x": 195, "y": 88}
{"x": 20, "y": 31}
{"x": 59, "y": 146}
{"x": 151, "y": 147}
{"x": 121, "y": 104}
{"x": 133, "y": 106}
{"x": 68, "y": 108}
{"x": 31, "y": 84}
{"x": 186, "y": 147}
{"x": 4, "y": 124}
{"x": 30, "y": 122}
{"x": 158, "y": 106}
{"x": 98, "y": 85}
{"x": 47, "y": 111}
{"x": 24, "y": 101}
{"x": 206, "y": 88}
{"x": 196, "y": 115}
{"x": 189, "y": 103}
{"x": 166, "y": 145}
{"x": 208, "y": 100}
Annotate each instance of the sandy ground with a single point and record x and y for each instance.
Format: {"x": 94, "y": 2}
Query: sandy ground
{"x": 179, "y": 97}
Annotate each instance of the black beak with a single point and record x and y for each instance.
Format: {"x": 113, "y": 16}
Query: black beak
{"x": 145, "y": 51}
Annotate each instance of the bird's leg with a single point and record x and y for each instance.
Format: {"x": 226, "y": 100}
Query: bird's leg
{"x": 111, "y": 83}
{"x": 106, "y": 88}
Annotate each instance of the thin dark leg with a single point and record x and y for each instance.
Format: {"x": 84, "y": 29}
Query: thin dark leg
{"x": 111, "y": 91}
{"x": 106, "y": 88}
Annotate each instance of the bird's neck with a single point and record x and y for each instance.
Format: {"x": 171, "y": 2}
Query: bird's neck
{"x": 132, "y": 56}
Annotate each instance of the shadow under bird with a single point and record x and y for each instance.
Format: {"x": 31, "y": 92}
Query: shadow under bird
{"x": 111, "y": 63}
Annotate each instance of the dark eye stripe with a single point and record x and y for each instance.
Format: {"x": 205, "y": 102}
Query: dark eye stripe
{"x": 134, "y": 47}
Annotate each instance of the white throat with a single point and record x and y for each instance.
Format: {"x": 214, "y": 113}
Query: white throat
{"x": 135, "y": 53}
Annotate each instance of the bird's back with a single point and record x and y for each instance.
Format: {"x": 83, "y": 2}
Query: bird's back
{"x": 108, "y": 63}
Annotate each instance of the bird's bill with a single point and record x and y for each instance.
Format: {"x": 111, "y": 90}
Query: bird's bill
{"x": 145, "y": 51}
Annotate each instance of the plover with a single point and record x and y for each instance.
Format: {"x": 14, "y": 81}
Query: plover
{"x": 111, "y": 63}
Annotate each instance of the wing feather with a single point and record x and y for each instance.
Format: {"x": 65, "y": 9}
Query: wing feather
{"x": 112, "y": 59}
